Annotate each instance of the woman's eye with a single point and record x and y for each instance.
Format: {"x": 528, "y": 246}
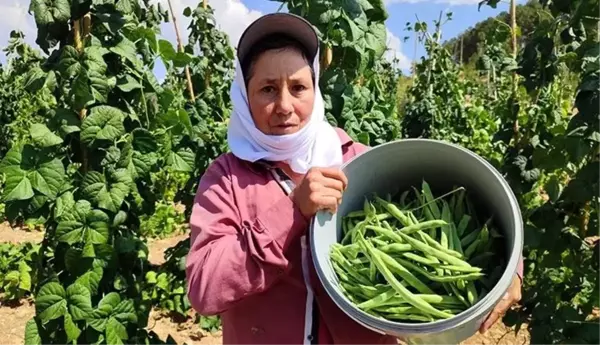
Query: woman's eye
{"x": 268, "y": 89}
{"x": 299, "y": 88}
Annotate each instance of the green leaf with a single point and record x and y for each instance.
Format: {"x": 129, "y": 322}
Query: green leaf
{"x": 69, "y": 63}
{"x": 181, "y": 59}
{"x": 48, "y": 178}
{"x": 73, "y": 332}
{"x": 50, "y": 302}
{"x": 166, "y": 50}
{"x": 352, "y": 8}
{"x": 64, "y": 203}
{"x": 104, "y": 123}
{"x": 107, "y": 194}
{"x": 144, "y": 141}
{"x": 120, "y": 218}
{"x": 17, "y": 186}
{"x": 182, "y": 160}
{"x": 83, "y": 224}
{"x": 90, "y": 280}
{"x": 50, "y": 11}
{"x": 115, "y": 332}
{"x": 125, "y": 311}
{"x": 35, "y": 79}
{"x": 376, "y": 39}
{"x": 128, "y": 84}
{"x": 80, "y": 303}
{"x": 32, "y": 334}
{"x": 65, "y": 121}
{"x": 125, "y": 48}
{"x": 127, "y": 6}
{"x": 24, "y": 276}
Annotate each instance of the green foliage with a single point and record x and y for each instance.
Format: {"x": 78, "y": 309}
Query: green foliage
{"x": 359, "y": 85}
{"x": 166, "y": 286}
{"x": 442, "y": 105}
{"x": 528, "y": 16}
{"x": 18, "y": 273}
{"x": 167, "y": 220}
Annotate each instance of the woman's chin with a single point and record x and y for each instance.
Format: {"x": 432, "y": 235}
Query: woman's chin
{"x": 283, "y": 130}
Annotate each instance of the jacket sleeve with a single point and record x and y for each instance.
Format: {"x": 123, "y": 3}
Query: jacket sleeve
{"x": 230, "y": 257}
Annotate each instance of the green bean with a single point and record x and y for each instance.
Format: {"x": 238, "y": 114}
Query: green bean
{"x": 343, "y": 263}
{"x": 446, "y": 240}
{"x": 462, "y": 225}
{"x": 388, "y": 233}
{"x": 480, "y": 257}
{"x": 407, "y": 275}
{"x": 459, "y": 208}
{"x": 455, "y": 239}
{"x": 468, "y": 239}
{"x": 434, "y": 252}
{"x": 401, "y": 290}
{"x": 435, "y": 244}
{"x": 420, "y": 259}
{"x": 439, "y": 299}
{"x": 378, "y": 300}
{"x": 458, "y": 295}
{"x": 372, "y": 271}
{"x": 411, "y": 317}
{"x": 378, "y": 242}
{"x": 458, "y": 268}
{"x": 398, "y": 310}
{"x": 444, "y": 279}
{"x": 395, "y": 248}
{"x": 394, "y": 211}
{"x": 403, "y": 198}
{"x": 471, "y": 293}
{"x": 429, "y": 198}
{"x": 472, "y": 247}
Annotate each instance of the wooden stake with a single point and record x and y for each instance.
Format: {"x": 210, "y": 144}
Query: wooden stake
{"x": 461, "y": 49}
{"x": 204, "y": 4}
{"x": 78, "y": 43}
{"x": 513, "y": 26}
{"x": 87, "y": 25}
{"x": 180, "y": 48}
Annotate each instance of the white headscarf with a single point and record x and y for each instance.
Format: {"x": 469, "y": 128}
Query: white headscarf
{"x": 315, "y": 145}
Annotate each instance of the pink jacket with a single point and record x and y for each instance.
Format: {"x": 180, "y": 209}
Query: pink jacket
{"x": 250, "y": 263}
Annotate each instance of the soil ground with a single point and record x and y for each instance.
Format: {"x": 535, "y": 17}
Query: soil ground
{"x": 13, "y": 317}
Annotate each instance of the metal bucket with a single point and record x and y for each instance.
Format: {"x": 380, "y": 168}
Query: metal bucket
{"x": 396, "y": 166}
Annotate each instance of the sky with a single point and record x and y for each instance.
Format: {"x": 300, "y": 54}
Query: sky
{"x": 233, "y": 16}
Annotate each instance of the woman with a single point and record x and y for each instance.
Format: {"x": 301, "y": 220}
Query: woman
{"x": 248, "y": 259}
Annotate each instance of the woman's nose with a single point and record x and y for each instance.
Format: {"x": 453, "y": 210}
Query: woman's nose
{"x": 284, "y": 102}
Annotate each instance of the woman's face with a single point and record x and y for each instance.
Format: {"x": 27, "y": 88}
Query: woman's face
{"x": 281, "y": 92}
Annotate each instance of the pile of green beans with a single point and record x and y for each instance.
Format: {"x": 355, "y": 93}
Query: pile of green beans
{"x": 419, "y": 258}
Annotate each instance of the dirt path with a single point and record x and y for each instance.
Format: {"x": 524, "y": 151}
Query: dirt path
{"x": 156, "y": 248}
{"x": 18, "y": 235}
{"x": 13, "y": 319}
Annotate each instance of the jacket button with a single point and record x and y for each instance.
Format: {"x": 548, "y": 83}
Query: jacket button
{"x": 310, "y": 337}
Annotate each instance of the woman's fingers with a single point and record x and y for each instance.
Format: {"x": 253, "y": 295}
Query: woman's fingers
{"x": 332, "y": 183}
{"x": 512, "y": 296}
{"x": 335, "y": 174}
{"x": 327, "y": 202}
{"x": 497, "y": 313}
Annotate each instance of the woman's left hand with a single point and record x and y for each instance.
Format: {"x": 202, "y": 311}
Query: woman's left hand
{"x": 512, "y": 296}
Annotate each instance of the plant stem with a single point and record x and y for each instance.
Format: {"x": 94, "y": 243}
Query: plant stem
{"x": 180, "y": 48}
{"x": 513, "y": 26}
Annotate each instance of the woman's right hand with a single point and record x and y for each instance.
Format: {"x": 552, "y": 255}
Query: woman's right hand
{"x": 320, "y": 189}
